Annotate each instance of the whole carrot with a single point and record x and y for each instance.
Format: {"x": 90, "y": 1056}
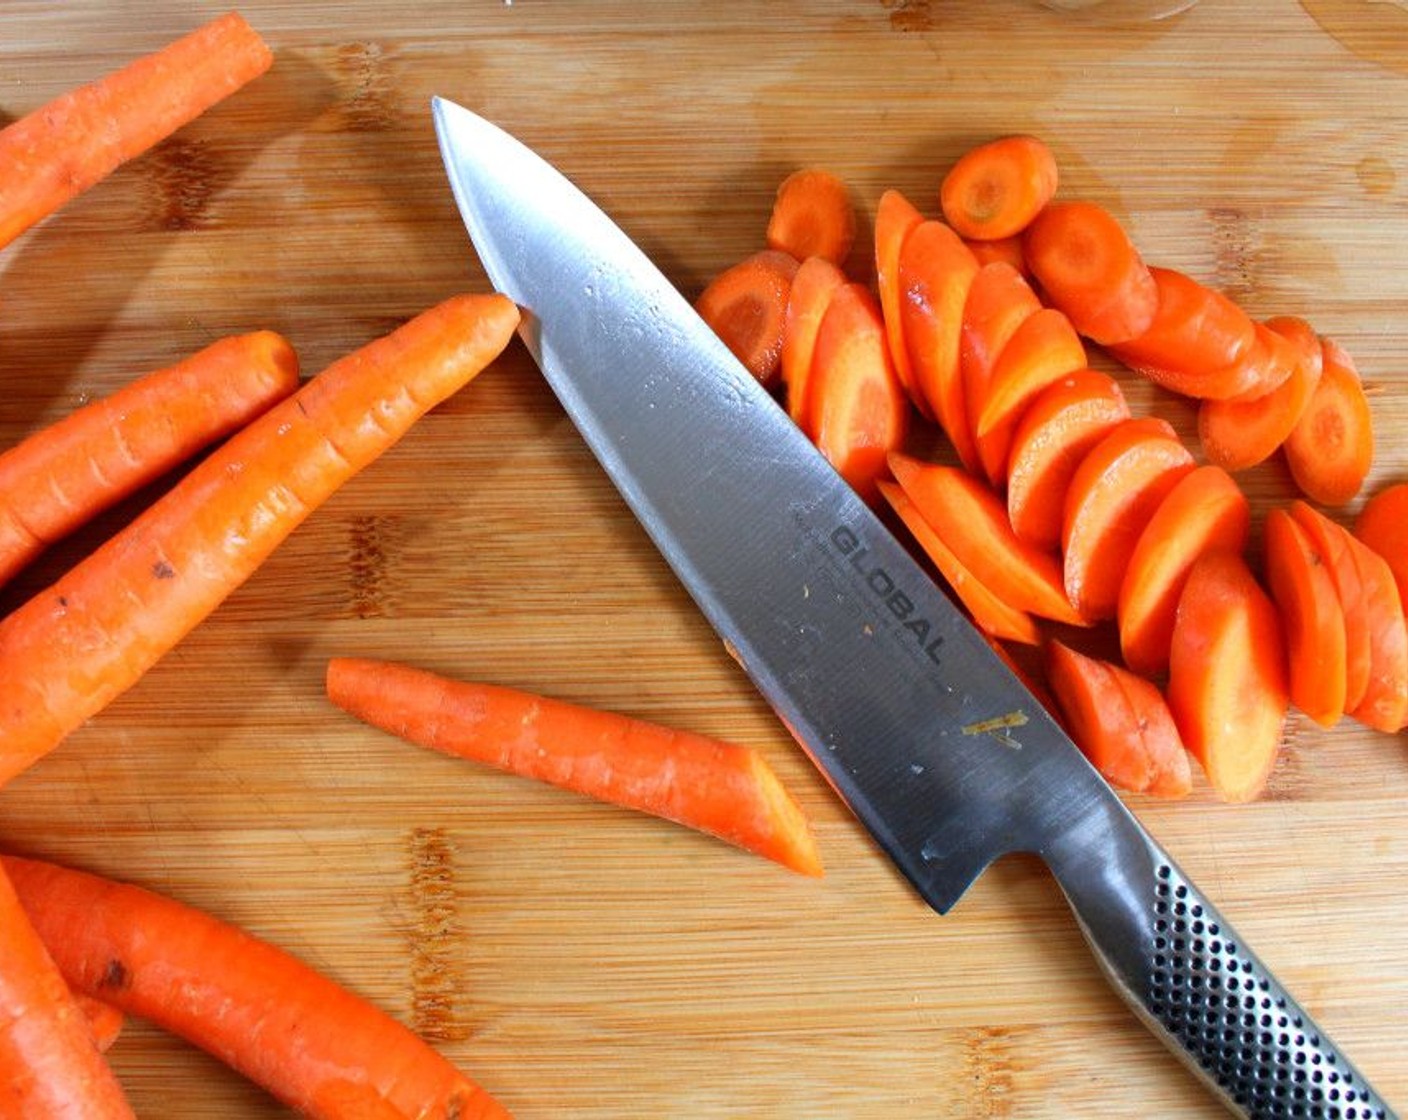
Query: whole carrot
{"x": 65, "y": 474}
{"x": 721, "y": 788}
{"x": 68, "y": 651}
{"x": 313, "y": 1044}
{"x": 63, "y": 148}
{"x": 50, "y": 1066}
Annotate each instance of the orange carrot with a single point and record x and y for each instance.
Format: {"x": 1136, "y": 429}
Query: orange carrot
{"x": 1384, "y": 706}
{"x": 1333, "y": 542}
{"x": 810, "y": 295}
{"x": 1240, "y": 433}
{"x": 1383, "y": 525}
{"x": 858, "y": 411}
{"x": 1196, "y": 337}
{"x": 746, "y": 306}
{"x": 72, "y": 648}
{"x": 63, "y": 148}
{"x": 972, "y": 522}
{"x": 1008, "y": 250}
{"x": 60, "y": 477}
{"x": 1227, "y": 685}
{"x": 1087, "y": 267}
{"x": 1205, "y": 511}
{"x": 105, "y": 1022}
{"x": 895, "y": 219}
{"x": 1054, "y": 434}
{"x": 812, "y": 216}
{"x": 999, "y": 302}
{"x": 1113, "y": 494}
{"x": 990, "y": 614}
{"x": 1120, "y": 722}
{"x": 1312, "y": 618}
{"x": 315, "y": 1046}
{"x": 997, "y": 188}
{"x": 1331, "y": 448}
{"x": 50, "y": 1067}
{"x": 725, "y": 790}
{"x": 936, "y": 271}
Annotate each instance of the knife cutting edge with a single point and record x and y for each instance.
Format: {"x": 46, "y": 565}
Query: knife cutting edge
{"x": 867, "y": 662}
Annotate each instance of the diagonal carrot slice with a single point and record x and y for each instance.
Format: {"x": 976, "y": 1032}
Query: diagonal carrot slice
{"x": 1384, "y": 706}
{"x": 895, "y": 219}
{"x": 991, "y": 615}
{"x": 1383, "y": 525}
{"x": 1331, "y": 448}
{"x": 1113, "y": 494}
{"x": 814, "y": 284}
{"x": 972, "y": 522}
{"x": 1332, "y": 541}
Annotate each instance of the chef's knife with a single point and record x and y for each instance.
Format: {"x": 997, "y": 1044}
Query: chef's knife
{"x": 922, "y": 730}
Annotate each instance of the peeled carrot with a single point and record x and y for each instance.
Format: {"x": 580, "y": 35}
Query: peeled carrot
{"x": 997, "y": 188}
{"x": 1384, "y": 705}
{"x": 972, "y": 522}
{"x": 1312, "y": 618}
{"x": 1087, "y": 267}
{"x": 1113, "y": 494}
{"x": 808, "y": 298}
{"x": 1054, "y": 434}
{"x": 857, "y": 408}
{"x": 1227, "y": 685}
{"x": 72, "y": 648}
{"x": 1331, "y": 448}
{"x": 50, "y": 1066}
{"x": 895, "y": 219}
{"x": 1332, "y": 541}
{"x": 1120, "y": 722}
{"x": 936, "y": 271}
{"x": 746, "y": 305}
{"x": 1205, "y": 511}
{"x": 725, "y": 790}
{"x": 990, "y": 614}
{"x": 812, "y": 216}
{"x": 63, "y": 148}
{"x": 1008, "y": 250}
{"x": 1383, "y": 525}
{"x": 315, "y": 1046}
{"x": 1240, "y": 433}
{"x": 60, "y": 477}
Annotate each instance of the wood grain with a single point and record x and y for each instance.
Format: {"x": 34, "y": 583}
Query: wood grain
{"x": 578, "y": 960}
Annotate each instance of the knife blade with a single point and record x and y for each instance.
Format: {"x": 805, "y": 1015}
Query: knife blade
{"x": 922, "y": 730}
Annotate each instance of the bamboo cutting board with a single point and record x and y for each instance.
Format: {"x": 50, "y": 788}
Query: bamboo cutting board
{"x": 578, "y": 960}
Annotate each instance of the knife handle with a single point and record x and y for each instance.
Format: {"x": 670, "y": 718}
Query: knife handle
{"x": 1194, "y": 982}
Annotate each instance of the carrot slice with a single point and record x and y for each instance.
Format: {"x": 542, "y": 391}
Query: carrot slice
{"x": 74, "y": 647}
{"x": 65, "y": 147}
{"x": 1227, "y": 685}
{"x": 1311, "y": 617}
{"x": 1196, "y": 335}
{"x": 1120, "y": 722}
{"x": 1205, "y": 511}
{"x": 1384, "y": 706}
{"x": 808, "y": 298}
{"x": 1008, "y": 250}
{"x": 1113, "y": 494}
{"x": 812, "y": 216}
{"x": 725, "y": 790}
{"x": 69, "y": 472}
{"x": 746, "y": 306}
{"x": 1332, "y": 542}
{"x": 1042, "y": 350}
{"x": 1383, "y": 525}
{"x": 50, "y": 1064}
{"x": 1239, "y": 433}
{"x": 936, "y": 271}
{"x": 895, "y": 219}
{"x": 314, "y": 1045}
{"x": 999, "y": 302}
{"x": 972, "y": 522}
{"x": 989, "y": 613}
{"x": 1054, "y": 434}
{"x": 1331, "y": 448}
{"x": 1087, "y": 267}
{"x": 858, "y": 411}
{"x": 997, "y": 188}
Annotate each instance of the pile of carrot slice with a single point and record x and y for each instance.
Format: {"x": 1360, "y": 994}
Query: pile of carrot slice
{"x": 1011, "y": 318}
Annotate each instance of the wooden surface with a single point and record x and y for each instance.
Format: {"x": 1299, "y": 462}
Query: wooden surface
{"x": 579, "y": 960}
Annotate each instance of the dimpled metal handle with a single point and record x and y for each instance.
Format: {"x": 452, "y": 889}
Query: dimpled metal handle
{"x": 1196, "y": 985}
